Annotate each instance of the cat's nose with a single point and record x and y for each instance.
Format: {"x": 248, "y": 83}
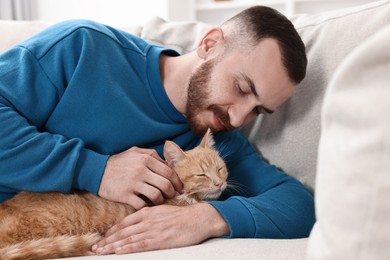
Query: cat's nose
{"x": 221, "y": 185}
{"x": 218, "y": 184}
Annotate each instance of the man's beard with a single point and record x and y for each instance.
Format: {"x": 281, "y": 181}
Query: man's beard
{"x": 197, "y": 96}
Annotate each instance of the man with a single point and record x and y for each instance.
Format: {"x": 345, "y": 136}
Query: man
{"x": 85, "y": 106}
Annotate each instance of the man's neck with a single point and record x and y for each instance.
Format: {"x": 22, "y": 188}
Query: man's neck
{"x": 175, "y": 74}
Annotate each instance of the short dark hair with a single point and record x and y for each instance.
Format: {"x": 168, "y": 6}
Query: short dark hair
{"x": 259, "y": 22}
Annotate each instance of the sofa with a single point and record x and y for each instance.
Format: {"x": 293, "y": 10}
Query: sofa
{"x": 333, "y": 134}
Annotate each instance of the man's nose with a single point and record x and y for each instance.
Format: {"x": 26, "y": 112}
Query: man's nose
{"x": 239, "y": 114}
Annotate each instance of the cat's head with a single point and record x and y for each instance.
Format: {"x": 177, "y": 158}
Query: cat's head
{"x": 202, "y": 171}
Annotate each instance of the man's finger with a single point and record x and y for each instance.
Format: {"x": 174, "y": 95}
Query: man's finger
{"x": 152, "y": 193}
{"x": 135, "y": 201}
{"x": 140, "y": 246}
{"x": 151, "y": 152}
{"x": 128, "y": 221}
{"x": 125, "y": 229}
{"x": 160, "y": 167}
{"x": 155, "y": 155}
{"x": 168, "y": 173}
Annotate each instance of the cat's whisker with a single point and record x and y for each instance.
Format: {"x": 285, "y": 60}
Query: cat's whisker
{"x": 206, "y": 193}
{"x": 226, "y": 156}
{"x": 237, "y": 187}
{"x": 195, "y": 192}
{"x": 221, "y": 147}
{"x": 191, "y": 193}
{"x": 223, "y": 143}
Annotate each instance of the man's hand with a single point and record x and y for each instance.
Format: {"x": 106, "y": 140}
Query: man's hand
{"x": 163, "y": 227}
{"x": 135, "y": 174}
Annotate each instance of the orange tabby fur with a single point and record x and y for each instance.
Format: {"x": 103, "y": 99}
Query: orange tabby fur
{"x": 53, "y": 225}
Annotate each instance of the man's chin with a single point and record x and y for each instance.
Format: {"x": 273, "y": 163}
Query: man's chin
{"x": 199, "y": 130}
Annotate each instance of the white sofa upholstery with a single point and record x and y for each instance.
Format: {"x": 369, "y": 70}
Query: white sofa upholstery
{"x": 354, "y": 153}
{"x": 289, "y": 138}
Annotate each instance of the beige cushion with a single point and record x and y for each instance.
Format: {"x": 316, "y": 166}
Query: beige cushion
{"x": 353, "y": 177}
{"x": 13, "y": 32}
{"x": 180, "y": 36}
{"x": 222, "y": 249}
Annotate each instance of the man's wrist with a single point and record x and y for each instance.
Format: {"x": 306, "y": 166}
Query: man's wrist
{"x": 216, "y": 224}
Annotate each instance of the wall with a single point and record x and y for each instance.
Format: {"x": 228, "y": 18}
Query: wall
{"x": 125, "y": 12}
{"x": 213, "y": 12}
{"x": 112, "y": 12}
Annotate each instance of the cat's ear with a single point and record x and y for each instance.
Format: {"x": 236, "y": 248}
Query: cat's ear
{"x": 208, "y": 140}
{"x": 173, "y": 153}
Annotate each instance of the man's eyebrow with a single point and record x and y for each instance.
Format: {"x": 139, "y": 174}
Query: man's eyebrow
{"x": 253, "y": 90}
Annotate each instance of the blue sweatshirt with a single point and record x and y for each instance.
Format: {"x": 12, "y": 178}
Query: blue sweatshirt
{"x": 81, "y": 91}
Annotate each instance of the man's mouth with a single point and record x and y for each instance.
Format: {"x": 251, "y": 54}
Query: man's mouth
{"x": 218, "y": 124}
{"x": 221, "y": 119}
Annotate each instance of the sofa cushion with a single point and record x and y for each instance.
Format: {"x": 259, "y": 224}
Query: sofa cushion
{"x": 180, "y": 36}
{"x": 353, "y": 181}
{"x": 226, "y": 249}
{"x": 14, "y": 32}
{"x": 289, "y": 137}
{"x": 18, "y": 31}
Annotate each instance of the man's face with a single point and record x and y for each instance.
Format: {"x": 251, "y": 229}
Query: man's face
{"x": 229, "y": 90}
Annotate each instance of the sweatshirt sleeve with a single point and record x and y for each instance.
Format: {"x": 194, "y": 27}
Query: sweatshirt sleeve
{"x": 32, "y": 159}
{"x": 262, "y": 201}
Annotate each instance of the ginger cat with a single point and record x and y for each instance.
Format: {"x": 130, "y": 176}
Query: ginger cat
{"x": 53, "y": 225}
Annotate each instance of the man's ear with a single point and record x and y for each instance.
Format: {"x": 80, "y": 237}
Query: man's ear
{"x": 210, "y": 40}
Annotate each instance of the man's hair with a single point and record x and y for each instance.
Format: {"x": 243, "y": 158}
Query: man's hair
{"x": 259, "y": 22}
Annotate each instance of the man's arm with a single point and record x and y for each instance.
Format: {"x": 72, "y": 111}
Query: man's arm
{"x": 33, "y": 82}
{"x": 32, "y": 159}
{"x": 265, "y": 202}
